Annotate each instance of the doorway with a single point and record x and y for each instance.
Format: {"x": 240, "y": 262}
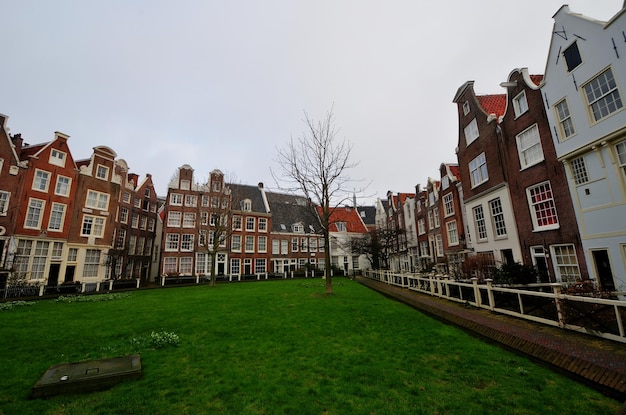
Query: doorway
{"x": 603, "y": 269}
{"x": 53, "y": 275}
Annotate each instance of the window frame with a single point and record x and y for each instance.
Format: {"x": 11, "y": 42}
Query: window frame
{"x": 478, "y": 165}
{"x": 565, "y": 120}
{"x": 60, "y": 220}
{"x": 531, "y": 132}
{"x": 41, "y": 177}
{"x": 603, "y": 98}
{"x": 95, "y": 228}
{"x": 34, "y": 213}
{"x": 471, "y": 132}
{"x": 537, "y": 206}
{"x": 520, "y": 109}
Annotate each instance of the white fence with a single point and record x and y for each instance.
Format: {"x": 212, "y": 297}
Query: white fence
{"x": 542, "y": 303}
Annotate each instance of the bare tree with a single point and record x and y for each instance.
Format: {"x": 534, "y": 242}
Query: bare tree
{"x": 317, "y": 164}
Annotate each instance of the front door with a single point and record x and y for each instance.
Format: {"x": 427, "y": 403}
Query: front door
{"x": 603, "y": 269}
{"x": 53, "y": 275}
{"x": 69, "y": 273}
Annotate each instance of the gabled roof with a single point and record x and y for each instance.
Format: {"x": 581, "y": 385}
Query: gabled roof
{"x": 368, "y": 214}
{"x": 253, "y": 193}
{"x": 349, "y": 216}
{"x": 493, "y": 104}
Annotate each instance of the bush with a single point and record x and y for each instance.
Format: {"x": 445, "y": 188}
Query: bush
{"x": 164, "y": 338}
{"x": 515, "y": 273}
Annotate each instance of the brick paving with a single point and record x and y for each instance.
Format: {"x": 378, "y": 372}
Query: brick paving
{"x": 597, "y": 362}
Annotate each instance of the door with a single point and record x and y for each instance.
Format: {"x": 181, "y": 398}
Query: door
{"x": 69, "y": 273}
{"x": 53, "y": 275}
{"x": 603, "y": 269}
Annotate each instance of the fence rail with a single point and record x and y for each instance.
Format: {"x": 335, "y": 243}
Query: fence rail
{"x": 541, "y": 303}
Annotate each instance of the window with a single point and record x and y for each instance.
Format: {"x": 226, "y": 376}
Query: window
{"x": 453, "y": 236}
{"x": 41, "y": 180}
{"x": 284, "y": 244}
{"x": 151, "y": 223}
{"x": 143, "y": 223}
{"x": 97, "y": 200}
{"x": 297, "y": 228}
{"x": 126, "y": 197}
{"x": 63, "y": 186}
{"x": 236, "y": 243}
{"x": 173, "y": 219}
{"x": 189, "y": 220}
{"x": 170, "y": 265}
{"x": 57, "y": 216}
{"x": 92, "y": 263}
{"x": 92, "y": 226}
{"x": 313, "y": 245}
{"x": 262, "y": 244}
{"x": 566, "y": 125}
{"x": 40, "y": 256}
{"x": 471, "y": 132}
{"x": 176, "y": 199}
{"x": 140, "y": 245}
{"x": 436, "y": 217}
{"x": 57, "y": 251}
{"x": 497, "y": 216}
{"x": 191, "y": 200}
{"x": 478, "y": 170}
{"x": 205, "y": 200}
{"x": 341, "y": 226}
{"x": 102, "y": 172}
{"x": 424, "y": 249}
{"x": 529, "y": 147}
{"x": 572, "y": 57}
{"x": 246, "y": 205}
{"x": 294, "y": 244}
{"x": 137, "y": 202}
{"x": 602, "y": 95}
{"x": 134, "y": 223}
{"x": 566, "y": 263}
{"x": 542, "y": 207}
{"x": 124, "y": 215}
{"x": 57, "y": 158}
{"x": 421, "y": 226}
{"x": 171, "y": 241}
{"x": 262, "y": 225}
{"x": 466, "y": 108}
{"x": 445, "y": 182}
{"x": 237, "y": 223}
{"x": 186, "y": 265}
{"x": 579, "y": 171}
{"x": 4, "y": 202}
{"x": 215, "y": 202}
{"x": 132, "y": 243}
{"x": 431, "y": 222}
{"x": 249, "y": 243}
{"x": 72, "y": 254}
{"x": 216, "y": 185}
{"x": 275, "y": 247}
{"x": 448, "y": 204}
{"x": 259, "y": 266}
{"x": 439, "y": 242}
{"x": 304, "y": 245}
{"x": 235, "y": 266}
{"x": 620, "y": 148}
{"x": 187, "y": 243}
{"x": 33, "y": 215}
{"x": 520, "y": 105}
{"x": 479, "y": 221}
{"x": 121, "y": 239}
{"x": 250, "y": 224}
{"x": 185, "y": 185}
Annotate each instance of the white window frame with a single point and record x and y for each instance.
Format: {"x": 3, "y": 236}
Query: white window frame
{"x": 41, "y": 180}
{"x": 520, "y": 104}
{"x": 176, "y": 199}
{"x": 602, "y": 96}
{"x": 565, "y": 264}
{"x": 174, "y": 219}
{"x": 448, "y": 204}
{"x": 529, "y": 148}
{"x": 58, "y": 216}
{"x": 471, "y": 132}
{"x": 545, "y": 204}
{"x": 478, "y": 170}
{"x": 63, "y": 186}
{"x": 92, "y": 226}
{"x": 172, "y": 241}
{"x": 57, "y": 157}
{"x": 102, "y": 172}
{"x": 564, "y": 117}
{"x": 497, "y": 218}
{"x": 579, "y": 170}
{"x": 97, "y": 200}
{"x": 620, "y": 150}
{"x": 4, "y": 202}
{"x": 453, "y": 233}
{"x": 34, "y": 214}
{"x": 480, "y": 223}
{"x": 466, "y": 108}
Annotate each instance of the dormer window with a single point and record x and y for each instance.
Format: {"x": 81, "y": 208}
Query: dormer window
{"x": 572, "y": 57}
{"x": 297, "y": 228}
{"x": 341, "y": 226}
{"x": 445, "y": 182}
{"x": 246, "y": 205}
{"x": 185, "y": 185}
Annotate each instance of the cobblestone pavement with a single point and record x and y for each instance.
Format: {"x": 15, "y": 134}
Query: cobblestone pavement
{"x": 597, "y": 362}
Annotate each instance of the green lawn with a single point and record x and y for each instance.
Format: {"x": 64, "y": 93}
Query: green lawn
{"x": 278, "y": 347}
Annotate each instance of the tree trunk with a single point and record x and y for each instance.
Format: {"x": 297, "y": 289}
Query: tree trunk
{"x": 328, "y": 271}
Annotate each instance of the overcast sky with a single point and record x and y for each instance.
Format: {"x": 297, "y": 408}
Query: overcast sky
{"x": 223, "y": 84}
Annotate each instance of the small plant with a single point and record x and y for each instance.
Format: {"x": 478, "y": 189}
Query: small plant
{"x": 515, "y": 273}
{"x": 163, "y": 339}
{"x": 11, "y": 304}
{"x": 91, "y": 298}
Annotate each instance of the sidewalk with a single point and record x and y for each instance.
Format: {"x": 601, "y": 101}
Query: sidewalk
{"x": 597, "y": 362}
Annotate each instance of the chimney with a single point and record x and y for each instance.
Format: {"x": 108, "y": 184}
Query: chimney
{"x": 17, "y": 141}
{"x": 260, "y": 185}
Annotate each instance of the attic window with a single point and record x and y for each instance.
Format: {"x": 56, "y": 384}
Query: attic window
{"x": 283, "y": 227}
{"x": 445, "y": 182}
{"x": 572, "y": 57}
{"x": 57, "y": 158}
{"x": 311, "y": 228}
{"x": 246, "y": 205}
{"x": 297, "y": 228}
{"x": 466, "y": 108}
{"x": 341, "y": 226}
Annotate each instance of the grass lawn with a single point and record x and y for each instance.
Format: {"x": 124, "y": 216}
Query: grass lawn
{"x": 278, "y": 347}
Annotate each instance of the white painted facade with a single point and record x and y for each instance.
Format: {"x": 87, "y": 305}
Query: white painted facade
{"x": 584, "y": 91}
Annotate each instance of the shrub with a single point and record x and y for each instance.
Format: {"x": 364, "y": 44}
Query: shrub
{"x": 515, "y": 273}
{"x": 164, "y": 338}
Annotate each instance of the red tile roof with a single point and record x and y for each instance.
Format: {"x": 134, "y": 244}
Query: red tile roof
{"x": 349, "y": 216}
{"x": 493, "y": 104}
{"x": 536, "y": 79}
{"x": 455, "y": 170}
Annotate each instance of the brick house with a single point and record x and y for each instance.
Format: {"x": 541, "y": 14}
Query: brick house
{"x": 545, "y": 217}
{"x": 492, "y": 231}
{"x": 424, "y": 262}
{"x": 346, "y": 224}
{"x": 451, "y": 210}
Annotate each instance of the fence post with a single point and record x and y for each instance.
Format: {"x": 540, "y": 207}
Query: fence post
{"x": 432, "y": 285}
{"x": 162, "y": 280}
{"x": 556, "y": 288}
{"x": 492, "y": 304}
{"x": 41, "y": 288}
{"x": 477, "y": 297}
{"x": 84, "y": 287}
{"x": 138, "y": 281}
{"x": 111, "y": 285}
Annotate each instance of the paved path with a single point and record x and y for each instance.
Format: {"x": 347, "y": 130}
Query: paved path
{"x": 600, "y": 363}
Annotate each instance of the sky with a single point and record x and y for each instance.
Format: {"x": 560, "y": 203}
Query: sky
{"x": 226, "y": 84}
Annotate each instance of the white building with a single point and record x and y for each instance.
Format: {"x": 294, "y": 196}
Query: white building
{"x": 583, "y": 90}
